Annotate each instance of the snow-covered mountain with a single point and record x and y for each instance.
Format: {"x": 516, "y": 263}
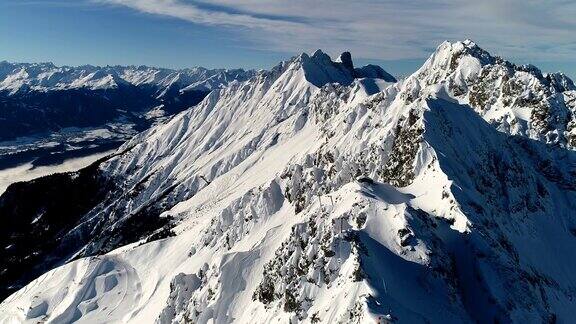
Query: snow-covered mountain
{"x": 52, "y": 114}
{"x": 518, "y": 100}
{"x": 317, "y": 192}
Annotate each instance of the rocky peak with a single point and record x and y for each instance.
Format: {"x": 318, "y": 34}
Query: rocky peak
{"x": 516, "y": 99}
{"x": 560, "y": 81}
{"x": 320, "y": 69}
{"x": 346, "y": 59}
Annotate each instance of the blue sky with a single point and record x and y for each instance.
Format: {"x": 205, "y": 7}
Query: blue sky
{"x": 398, "y": 35}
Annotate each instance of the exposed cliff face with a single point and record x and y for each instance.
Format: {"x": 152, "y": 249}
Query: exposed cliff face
{"x": 278, "y": 196}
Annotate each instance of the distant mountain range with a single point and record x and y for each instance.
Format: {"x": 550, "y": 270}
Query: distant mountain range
{"x": 36, "y": 98}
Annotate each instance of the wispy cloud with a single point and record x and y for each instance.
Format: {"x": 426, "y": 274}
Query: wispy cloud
{"x": 384, "y": 29}
{"x": 196, "y": 14}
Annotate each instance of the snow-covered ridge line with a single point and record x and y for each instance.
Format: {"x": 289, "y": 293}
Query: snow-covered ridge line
{"x": 303, "y": 195}
{"x": 231, "y": 125}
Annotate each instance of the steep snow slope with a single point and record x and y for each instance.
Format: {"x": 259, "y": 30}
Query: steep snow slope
{"x": 303, "y": 195}
{"x": 52, "y": 115}
{"x": 140, "y": 188}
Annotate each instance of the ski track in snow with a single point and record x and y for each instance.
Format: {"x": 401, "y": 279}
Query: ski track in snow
{"x": 98, "y": 289}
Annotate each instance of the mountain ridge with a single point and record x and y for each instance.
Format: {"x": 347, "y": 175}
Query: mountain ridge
{"x": 276, "y": 196}
{"x": 38, "y": 76}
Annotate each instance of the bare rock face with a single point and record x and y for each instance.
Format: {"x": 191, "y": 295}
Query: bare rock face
{"x": 346, "y": 60}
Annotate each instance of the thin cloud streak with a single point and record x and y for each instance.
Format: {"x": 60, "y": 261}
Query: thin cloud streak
{"x": 386, "y": 29}
{"x": 193, "y": 13}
